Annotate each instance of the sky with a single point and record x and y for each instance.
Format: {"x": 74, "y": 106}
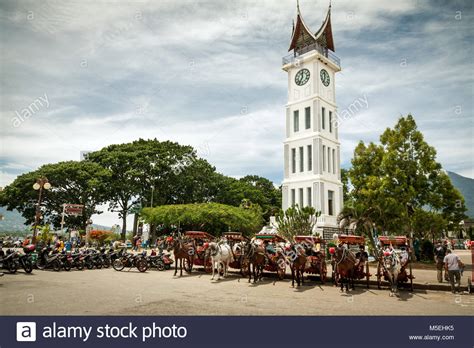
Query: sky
{"x": 80, "y": 75}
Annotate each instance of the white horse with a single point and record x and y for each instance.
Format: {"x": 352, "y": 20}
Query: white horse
{"x": 221, "y": 256}
{"x": 392, "y": 266}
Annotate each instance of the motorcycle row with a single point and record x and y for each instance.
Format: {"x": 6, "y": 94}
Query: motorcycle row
{"x": 52, "y": 258}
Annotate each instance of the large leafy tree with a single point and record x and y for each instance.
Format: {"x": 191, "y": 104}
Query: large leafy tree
{"x": 400, "y": 177}
{"x": 214, "y": 218}
{"x": 149, "y": 170}
{"x": 72, "y": 182}
{"x": 253, "y": 188}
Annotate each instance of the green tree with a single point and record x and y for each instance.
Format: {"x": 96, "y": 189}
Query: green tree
{"x": 296, "y": 221}
{"x": 71, "y": 182}
{"x": 253, "y": 188}
{"x": 399, "y": 177}
{"x": 173, "y": 170}
{"x": 214, "y": 218}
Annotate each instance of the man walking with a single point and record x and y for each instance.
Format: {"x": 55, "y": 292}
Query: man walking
{"x": 452, "y": 266}
{"x": 439, "y": 253}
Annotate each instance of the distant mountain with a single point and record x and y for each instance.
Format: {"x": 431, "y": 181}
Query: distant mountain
{"x": 14, "y": 222}
{"x": 466, "y": 187}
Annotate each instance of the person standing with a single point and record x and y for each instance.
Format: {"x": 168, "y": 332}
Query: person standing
{"x": 439, "y": 254}
{"x": 416, "y": 247}
{"x": 452, "y": 265}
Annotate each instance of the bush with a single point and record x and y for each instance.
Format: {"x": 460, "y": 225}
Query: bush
{"x": 426, "y": 251}
{"x": 100, "y": 236}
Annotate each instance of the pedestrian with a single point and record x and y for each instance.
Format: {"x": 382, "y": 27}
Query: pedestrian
{"x": 416, "y": 247}
{"x": 453, "y": 266}
{"x": 439, "y": 254}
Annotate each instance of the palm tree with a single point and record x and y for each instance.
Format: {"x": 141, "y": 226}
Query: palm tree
{"x": 361, "y": 219}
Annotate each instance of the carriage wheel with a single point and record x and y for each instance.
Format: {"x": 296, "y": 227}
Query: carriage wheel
{"x": 323, "y": 271}
{"x": 379, "y": 276}
{"x": 281, "y": 272}
{"x": 367, "y": 274}
{"x": 411, "y": 279}
{"x": 208, "y": 265}
{"x": 188, "y": 265}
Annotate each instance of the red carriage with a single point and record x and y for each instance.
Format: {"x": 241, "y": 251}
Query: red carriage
{"x": 315, "y": 259}
{"x": 401, "y": 246}
{"x": 200, "y": 241}
{"x": 276, "y": 260}
{"x": 240, "y": 262}
{"x": 361, "y": 270}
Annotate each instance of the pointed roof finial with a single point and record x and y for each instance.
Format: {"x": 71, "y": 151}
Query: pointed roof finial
{"x": 298, "y": 6}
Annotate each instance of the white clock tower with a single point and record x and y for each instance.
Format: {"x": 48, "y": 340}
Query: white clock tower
{"x": 311, "y": 148}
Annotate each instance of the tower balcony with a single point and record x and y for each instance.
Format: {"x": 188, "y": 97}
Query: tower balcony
{"x": 299, "y": 53}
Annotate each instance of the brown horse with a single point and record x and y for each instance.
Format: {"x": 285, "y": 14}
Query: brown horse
{"x": 297, "y": 259}
{"x": 183, "y": 251}
{"x": 344, "y": 267}
{"x": 255, "y": 254}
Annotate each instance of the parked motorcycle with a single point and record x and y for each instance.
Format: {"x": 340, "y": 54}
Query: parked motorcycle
{"x": 130, "y": 260}
{"x": 159, "y": 261}
{"x": 93, "y": 259}
{"x": 78, "y": 260}
{"x": 45, "y": 260}
{"x": 7, "y": 260}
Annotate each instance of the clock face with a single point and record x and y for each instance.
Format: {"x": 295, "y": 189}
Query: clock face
{"x": 325, "y": 79}
{"x": 302, "y": 77}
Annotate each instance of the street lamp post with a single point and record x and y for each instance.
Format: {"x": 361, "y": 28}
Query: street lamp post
{"x": 40, "y": 184}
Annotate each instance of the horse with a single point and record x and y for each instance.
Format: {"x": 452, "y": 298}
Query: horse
{"x": 257, "y": 259}
{"x": 182, "y": 250}
{"x": 296, "y": 256}
{"x": 345, "y": 264}
{"x": 221, "y": 254}
{"x": 240, "y": 259}
{"x": 392, "y": 267}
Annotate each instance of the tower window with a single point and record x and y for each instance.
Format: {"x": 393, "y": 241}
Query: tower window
{"x": 301, "y": 197}
{"x": 329, "y": 159}
{"x": 293, "y": 197}
{"x": 293, "y": 160}
{"x": 296, "y": 120}
{"x": 333, "y": 161}
{"x": 324, "y": 157}
{"x": 323, "y": 118}
{"x": 307, "y": 117}
{"x": 308, "y": 198}
{"x": 330, "y": 121}
{"x": 330, "y": 202}
{"x": 310, "y": 157}
{"x": 301, "y": 159}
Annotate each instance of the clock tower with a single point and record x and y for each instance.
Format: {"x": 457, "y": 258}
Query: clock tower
{"x": 312, "y": 173}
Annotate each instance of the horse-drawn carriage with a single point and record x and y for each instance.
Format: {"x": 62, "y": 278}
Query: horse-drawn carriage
{"x": 394, "y": 257}
{"x": 350, "y": 253}
{"x": 276, "y": 261}
{"x": 315, "y": 259}
{"x": 237, "y": 241}
{"x": 200, "y": 241}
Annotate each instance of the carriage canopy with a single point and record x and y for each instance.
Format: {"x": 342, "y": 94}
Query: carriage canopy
{"x": 199, "y": 235}
{"x": 350, "y": 239}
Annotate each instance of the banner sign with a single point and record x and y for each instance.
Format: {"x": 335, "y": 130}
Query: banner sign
{"x": 242, "y": 331}
{"x": 73, "y": 209}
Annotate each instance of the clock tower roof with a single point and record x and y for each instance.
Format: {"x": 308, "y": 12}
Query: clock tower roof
{"x": 302, "y": 35}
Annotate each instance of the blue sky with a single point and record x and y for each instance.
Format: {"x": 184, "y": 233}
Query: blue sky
{"x": 208, "y": 74}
